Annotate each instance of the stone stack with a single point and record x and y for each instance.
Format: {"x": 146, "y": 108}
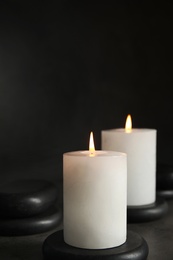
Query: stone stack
{"x": 28, "y": 207}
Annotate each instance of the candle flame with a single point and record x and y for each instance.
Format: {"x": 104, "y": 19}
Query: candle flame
{"x": 91, "y": 145}
{"x": 128, "y": 125}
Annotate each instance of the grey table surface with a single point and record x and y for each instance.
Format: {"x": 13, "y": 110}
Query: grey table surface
{"x": 158, "y": 233}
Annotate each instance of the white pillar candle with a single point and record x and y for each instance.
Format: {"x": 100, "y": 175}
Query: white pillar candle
{"x": 95, "y": 199}
{"x": 140, "y": 147}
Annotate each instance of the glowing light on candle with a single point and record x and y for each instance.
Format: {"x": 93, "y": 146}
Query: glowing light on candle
{"x": 91, "y": 145}
{"x": 128, "y": 125}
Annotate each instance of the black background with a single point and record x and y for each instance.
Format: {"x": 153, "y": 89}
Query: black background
{"x": 71, "y": 67}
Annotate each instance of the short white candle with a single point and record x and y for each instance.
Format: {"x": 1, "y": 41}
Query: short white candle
{"x": 95, "y": 199}
{"x": 140, "y": 147}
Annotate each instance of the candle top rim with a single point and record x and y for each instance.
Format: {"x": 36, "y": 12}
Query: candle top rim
{"x": 133, "y": 130}
{"x": 97, "y": 153}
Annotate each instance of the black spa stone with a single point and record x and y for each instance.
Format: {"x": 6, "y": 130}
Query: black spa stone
{"x": 164, "y": 176}
{"x": 145, "y": 213}
{"x": 135, "y": 248}
{"x": 41, "y": 223}
{"x": 25, "y": 198}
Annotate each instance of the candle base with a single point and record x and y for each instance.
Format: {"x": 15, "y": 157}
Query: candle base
{"x": 164, "y": 184}
{"x": 135, "y": 248}
{"x": 145, "y": 213}
{"x": 31, "y": 225}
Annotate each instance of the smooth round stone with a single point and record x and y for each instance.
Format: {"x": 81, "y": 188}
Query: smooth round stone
{"x": 25, "y": 198}
{"x": 44, "y": 222}
{"x": 164, "y": 179}
{"x": 135, "y": 248}
{"x": 145, "y": 213}
{"x": 166, "y": 194}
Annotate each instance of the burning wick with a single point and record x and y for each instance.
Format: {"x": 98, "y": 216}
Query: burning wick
{"x": 128, "y": 126}
{"x": 91, "y": 145}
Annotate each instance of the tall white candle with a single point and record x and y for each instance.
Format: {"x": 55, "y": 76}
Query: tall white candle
{"x": 94, "y": 187}
{"x": 140, "y": 147}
